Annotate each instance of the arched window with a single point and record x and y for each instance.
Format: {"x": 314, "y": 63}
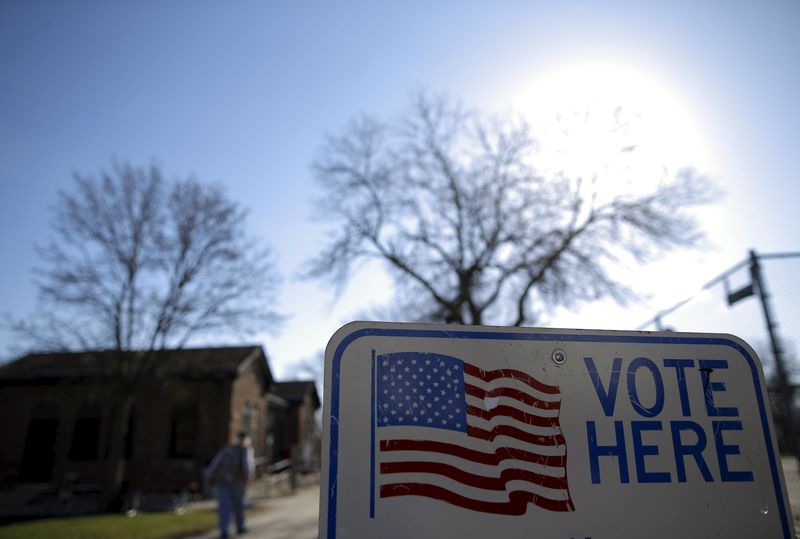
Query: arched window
{"x": 86, "y": 432}
{"x": 127, "y": 450}
{"x": 39, "y": 455}
{"x": 246, "y": 418}
{"x": 183, "y": 430}
{"x": 255, "y": 433}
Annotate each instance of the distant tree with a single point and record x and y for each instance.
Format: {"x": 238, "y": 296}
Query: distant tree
{"x": 451, "y": 203}
{"x": 138, "y": 265}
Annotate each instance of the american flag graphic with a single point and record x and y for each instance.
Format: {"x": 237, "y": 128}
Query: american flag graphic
{"x": 487, "y": 441}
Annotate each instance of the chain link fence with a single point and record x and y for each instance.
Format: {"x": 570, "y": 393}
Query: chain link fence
{"x": 727, "y": 305}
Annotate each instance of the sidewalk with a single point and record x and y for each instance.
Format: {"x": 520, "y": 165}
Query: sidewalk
{"x": 286, "y": 517}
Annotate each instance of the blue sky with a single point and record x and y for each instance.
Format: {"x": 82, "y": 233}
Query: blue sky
{"x": 242, "y": 93}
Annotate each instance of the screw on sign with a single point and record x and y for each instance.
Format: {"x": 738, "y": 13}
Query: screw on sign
{"x": 458, "y": 431}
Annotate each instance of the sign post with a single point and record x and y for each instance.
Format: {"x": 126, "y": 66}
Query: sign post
{"x": 475, "y": 432}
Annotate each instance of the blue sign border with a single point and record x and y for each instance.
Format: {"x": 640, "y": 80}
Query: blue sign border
{"x": 541, "y": 337}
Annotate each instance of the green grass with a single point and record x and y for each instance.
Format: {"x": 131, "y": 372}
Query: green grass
{"x": 142, "y": 526}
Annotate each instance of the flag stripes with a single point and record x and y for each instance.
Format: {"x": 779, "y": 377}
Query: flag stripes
{"x": 517, "y": 503}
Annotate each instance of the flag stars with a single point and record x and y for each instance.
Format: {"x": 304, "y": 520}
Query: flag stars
{"x": 418, "y": 389}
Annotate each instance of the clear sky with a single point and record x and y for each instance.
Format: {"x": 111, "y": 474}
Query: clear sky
{"x": 242, "y": 93}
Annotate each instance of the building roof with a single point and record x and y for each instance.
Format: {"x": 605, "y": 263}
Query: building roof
{"x": 227, "y": 362}
{"x": 296, "y": 391}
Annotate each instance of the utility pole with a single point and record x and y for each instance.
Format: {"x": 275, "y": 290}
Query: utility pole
{"x": 784, "y": 395}
{"x": 785, "y": 388}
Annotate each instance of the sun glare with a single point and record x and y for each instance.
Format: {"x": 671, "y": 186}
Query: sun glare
{"x": 610, "y": 124}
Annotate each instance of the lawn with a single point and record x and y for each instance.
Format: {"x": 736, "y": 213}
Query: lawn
{"x": 142, "y": 526}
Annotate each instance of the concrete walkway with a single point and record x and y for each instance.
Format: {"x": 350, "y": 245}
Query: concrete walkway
{"x": 286, "y": 517}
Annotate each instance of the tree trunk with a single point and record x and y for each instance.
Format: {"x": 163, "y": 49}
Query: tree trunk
{"x": 115, "y": 462}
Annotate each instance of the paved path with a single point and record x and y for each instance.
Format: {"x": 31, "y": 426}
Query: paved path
{"x": 287, "y": 517}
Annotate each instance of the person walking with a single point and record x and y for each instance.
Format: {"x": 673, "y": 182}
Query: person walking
{"x": 229, "y": 471}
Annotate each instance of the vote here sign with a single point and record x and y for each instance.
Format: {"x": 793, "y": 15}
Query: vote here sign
{"x": 476, "y": 432}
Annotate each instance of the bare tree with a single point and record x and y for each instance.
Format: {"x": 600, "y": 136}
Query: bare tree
{"x": 452, "y": 204}
{"x": 140, "y": 265}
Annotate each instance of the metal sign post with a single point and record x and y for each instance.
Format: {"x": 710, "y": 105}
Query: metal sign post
{"x": 469, "y": 432}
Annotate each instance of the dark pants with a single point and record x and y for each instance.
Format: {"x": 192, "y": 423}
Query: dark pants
{"x": 230, "y": 497}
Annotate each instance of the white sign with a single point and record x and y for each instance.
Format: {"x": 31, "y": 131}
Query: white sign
{"x": 476, "y": 432}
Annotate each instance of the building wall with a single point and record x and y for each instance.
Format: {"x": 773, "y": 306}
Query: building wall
{"x": 17, "y": 405}
{"x": 150, "y": 466}
{"x": 249, "y": 410}
{"x": 308, "y": 434}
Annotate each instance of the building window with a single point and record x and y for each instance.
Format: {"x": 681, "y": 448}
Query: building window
{"x": 39, "y": 455}
{"x": 127, "y": 449}
{"x": 250, "y": 420}
{"x": 246, "y": 417}
{"x": 86, "y": 432}
{"x": 254, "y": 431}
{"x": 183, "y": 430}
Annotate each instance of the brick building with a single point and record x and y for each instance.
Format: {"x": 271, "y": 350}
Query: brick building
{"x": 54, "y": 409}
{"x": 302, "y": 429}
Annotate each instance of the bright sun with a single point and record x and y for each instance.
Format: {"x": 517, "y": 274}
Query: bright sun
{"x": 607, "y": 122}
